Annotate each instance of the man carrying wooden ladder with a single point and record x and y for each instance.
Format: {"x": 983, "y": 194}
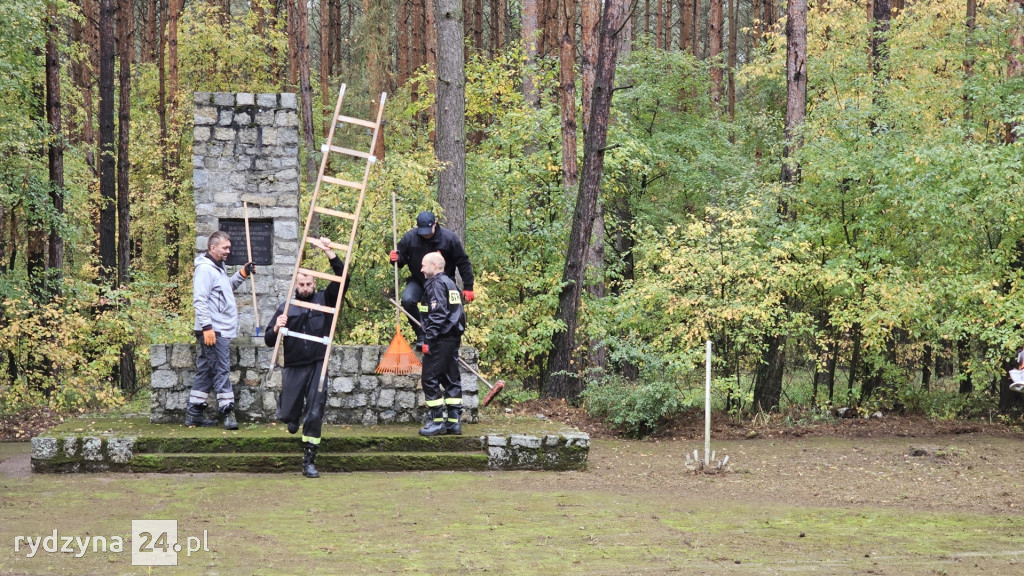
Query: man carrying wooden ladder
{"x": 347, "y": 217}
{"x": 303, "y": 396}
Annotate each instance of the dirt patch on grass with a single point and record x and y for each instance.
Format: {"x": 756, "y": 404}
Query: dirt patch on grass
{"x": 690, "y": 425}
{"x": 22, "y": 426}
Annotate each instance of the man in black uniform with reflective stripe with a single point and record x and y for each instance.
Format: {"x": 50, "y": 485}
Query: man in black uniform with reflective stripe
{"x": 302, "y": 396}
{"x": 444, "y": 322}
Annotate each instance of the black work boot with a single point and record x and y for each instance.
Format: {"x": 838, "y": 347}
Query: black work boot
{"x": 309, "y": 460}
{"x": 435, "y": 427}
{"x": 194, "y": 416}
{"x": 453, "y": 425}
{"x": 227, "y": 417}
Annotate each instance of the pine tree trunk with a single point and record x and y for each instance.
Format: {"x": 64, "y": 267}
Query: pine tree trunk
{"x": 325, "y": 63}
{"x": 430, "y": 38}
{"x": 549, "y": 41}
{"x": 695, "y": 19}
{"x": 562, "y": 379}
{"x": 55, "y": 156}
{"x": 107, "y": 155}
{"x": 715, "y": 49}
{"x": 755, "y": 30}
{"x": 125, "y": 22}
{"x": 403, "y": 38}
{"x": 478, "y": 25}
{"x": 450, "y": 145}
{"x": 590, "y": 30}
{"x": 149, "y": 44}
{"x": 305, "y": 89}
{"x": 685, "y": 25}
{"x": 173, "y": 13}
{"x": 417, "y": 54}
{"x": 293, "y": 45}
{"x": 567, "y": 92}
{"x": 495, "y": 27}
{"x": 126, "y": 48}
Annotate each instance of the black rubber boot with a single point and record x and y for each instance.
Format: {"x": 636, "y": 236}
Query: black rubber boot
{"x": 436, "y": 426}
{"x": 309, "y": 460}
{"x": 194, "y": 416}
{"x": 226, "y": 415}
{"x": 453, "y": 424}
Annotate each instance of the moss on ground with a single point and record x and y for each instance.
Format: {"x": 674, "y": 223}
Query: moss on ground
{"x": 144, "y": 428}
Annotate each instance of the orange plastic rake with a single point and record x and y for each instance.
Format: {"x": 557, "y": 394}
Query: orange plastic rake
{"x": 399, "y": 357}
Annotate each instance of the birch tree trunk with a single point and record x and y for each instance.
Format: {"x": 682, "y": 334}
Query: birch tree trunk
{"x": 450, "y": 144}
{"x": 796, "y": 86}
{"x": 530, "y": 31}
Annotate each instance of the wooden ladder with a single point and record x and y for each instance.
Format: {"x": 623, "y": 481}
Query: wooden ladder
{"x": 322, "y": 179}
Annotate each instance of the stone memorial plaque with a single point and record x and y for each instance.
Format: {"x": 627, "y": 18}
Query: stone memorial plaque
{"x": 262, "y": 234}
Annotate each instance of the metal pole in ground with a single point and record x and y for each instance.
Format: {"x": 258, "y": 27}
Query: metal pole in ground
{"x": 707, "y": 406}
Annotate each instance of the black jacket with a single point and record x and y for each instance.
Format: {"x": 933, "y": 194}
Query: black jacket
{"x": 441, "y": 309}
{"x": 299, "y": 352}
{"x": 413, "y": 247}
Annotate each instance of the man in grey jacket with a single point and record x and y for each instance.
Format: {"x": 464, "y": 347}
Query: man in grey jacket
{"x": 213, "y": 299}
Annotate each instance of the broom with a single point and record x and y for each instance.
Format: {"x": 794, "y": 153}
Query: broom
{"x": 399, "y": 357}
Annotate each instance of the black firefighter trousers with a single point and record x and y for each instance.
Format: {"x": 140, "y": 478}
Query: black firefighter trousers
{"x": 303, "y": 399}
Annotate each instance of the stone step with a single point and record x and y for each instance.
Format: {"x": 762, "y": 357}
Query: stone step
{"x": 292, "y": 461}
{"x": 104, "y": 444}
{"x": 283, "y": 443}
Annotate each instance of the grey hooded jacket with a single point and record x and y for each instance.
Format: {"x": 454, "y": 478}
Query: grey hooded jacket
{"x": 213, "y": 297}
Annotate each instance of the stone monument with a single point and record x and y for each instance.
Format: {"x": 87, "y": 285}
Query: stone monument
{"x": 245, "y": 151}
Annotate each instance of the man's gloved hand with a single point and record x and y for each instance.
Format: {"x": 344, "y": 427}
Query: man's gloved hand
{"x": 248, "y": 270}
{"x": 426, "y": 349}
{"x": 468, "y": 296}
{"x": 209, "y": 337}
{"x": 394, "y": 255}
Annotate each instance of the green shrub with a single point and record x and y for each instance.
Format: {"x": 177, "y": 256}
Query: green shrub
{"x": 635, "y": 409}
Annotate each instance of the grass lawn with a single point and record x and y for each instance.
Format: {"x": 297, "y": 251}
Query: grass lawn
{"x": 794, "y": 506}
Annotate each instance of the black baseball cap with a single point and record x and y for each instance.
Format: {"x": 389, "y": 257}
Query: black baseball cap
{"x": 425, "y": 223}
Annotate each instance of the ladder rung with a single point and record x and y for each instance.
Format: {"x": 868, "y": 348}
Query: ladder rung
{"x": 331, "y": 244}
{"x": 325, "y": 340}
{"x": 311, "y": 306}
{"x": 335, "y": 213}
{"x": 349, "y": 120}
{"x": 316, "y": 274}
{"x": 340, "y": 182}
{"x": 349, "y": 151}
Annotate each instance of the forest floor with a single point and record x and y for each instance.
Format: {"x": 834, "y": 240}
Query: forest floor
{"x": 895, "y": 495}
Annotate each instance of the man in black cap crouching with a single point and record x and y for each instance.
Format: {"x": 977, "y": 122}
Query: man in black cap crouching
{"x": 425, "y": 238}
